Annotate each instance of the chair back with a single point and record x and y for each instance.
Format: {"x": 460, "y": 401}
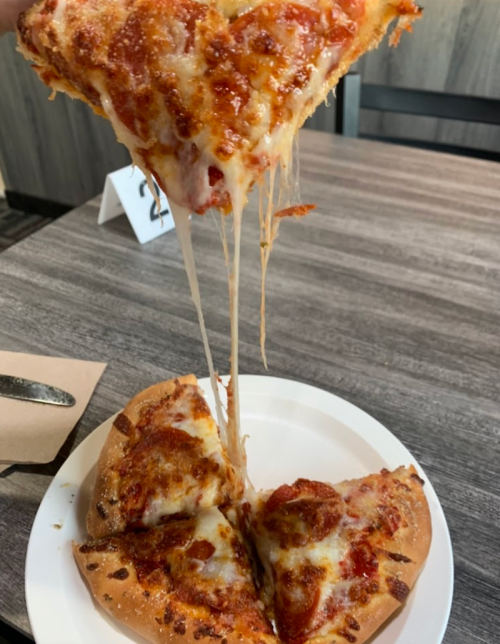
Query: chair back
{"x": 353, "y": 95}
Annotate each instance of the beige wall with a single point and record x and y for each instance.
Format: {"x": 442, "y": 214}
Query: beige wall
{"x": 2, "y": 185}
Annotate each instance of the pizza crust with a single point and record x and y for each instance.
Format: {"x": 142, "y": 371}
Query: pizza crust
{"x": 125, "y": 601}
{"x": 153, "y": 607}
{"x": 414, "y": 542}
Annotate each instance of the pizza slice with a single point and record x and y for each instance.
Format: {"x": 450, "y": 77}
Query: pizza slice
{"x": 183, "y": 581}
{"x": 163, "y": 457}
{"x": 206, "y": 95}
{"x": 339, "y": 560}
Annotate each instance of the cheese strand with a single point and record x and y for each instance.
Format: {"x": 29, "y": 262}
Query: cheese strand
{"x": 183, "y": 229}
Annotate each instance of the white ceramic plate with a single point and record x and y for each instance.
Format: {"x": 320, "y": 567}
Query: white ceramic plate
{"x": 294, "y": 431}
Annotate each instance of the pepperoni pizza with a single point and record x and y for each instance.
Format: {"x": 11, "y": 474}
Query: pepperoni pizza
{"x": 183, "y": 581}
{"x": 340, "y": 559}
{"x": 163, "y": 457}
{"x": 326, "y": 563}
{"x": 206, "y": 95}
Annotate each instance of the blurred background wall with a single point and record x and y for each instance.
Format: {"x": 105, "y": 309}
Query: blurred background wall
{"x": 58, "y": 150}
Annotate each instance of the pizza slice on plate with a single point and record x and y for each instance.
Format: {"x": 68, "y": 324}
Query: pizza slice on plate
{"x": 206, "y": 95}
{"x": 183, "y": 581}
{"x": 339, "y": 560}
{"x": 163, "y": 457}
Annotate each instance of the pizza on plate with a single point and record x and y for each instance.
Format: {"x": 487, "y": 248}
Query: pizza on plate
{"x": 163, "y": 457}
{"x": 183, "y": 581}
{"x": 326, "y": 564}
{"x": 340, "y": 559}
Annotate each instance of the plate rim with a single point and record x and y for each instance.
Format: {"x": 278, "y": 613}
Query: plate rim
{"x": 253, "y": 384}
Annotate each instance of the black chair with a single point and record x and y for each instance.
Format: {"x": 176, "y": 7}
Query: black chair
{"x": 353, "y": 95}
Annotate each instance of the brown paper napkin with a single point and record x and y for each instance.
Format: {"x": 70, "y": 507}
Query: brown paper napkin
{"x": 33, "y": 432}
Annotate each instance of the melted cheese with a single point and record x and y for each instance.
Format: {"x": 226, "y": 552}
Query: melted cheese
{"x": 236, "y": 450}
{"x": 183, "y": 229}
{"x": 288, "y": 193}
{"x": 326, "y": 554}
{"x": 187, "y": 496}
{"x": 212, "y": 526}
{"x": 59, "y": 12}
{"x": 230, "y": 430}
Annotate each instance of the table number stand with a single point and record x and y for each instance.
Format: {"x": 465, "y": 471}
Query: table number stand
{"x": 126, "y": 192}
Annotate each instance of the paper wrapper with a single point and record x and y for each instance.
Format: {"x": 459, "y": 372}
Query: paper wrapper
{"x": 34, "y": 432}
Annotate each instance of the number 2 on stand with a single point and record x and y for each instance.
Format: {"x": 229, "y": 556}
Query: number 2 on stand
{"x": 153, "y": 211}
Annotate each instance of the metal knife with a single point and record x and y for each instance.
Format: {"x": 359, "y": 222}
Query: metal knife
{"x": 22, "y": 389}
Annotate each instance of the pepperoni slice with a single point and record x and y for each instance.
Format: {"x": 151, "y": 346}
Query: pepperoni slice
{"x": 293, "y": 625}
{"x": 298, "y": 600}
{"x": 361, "y": 562}
{"x": 305, "y": 512}
{"x": 286, "y": 493}
{"x": 201, "y": 550}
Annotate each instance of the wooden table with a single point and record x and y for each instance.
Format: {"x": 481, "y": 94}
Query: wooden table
{"x": 387, "y": 295}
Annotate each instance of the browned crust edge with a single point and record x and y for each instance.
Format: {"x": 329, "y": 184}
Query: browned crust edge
{"x": 414, "y": 542}
{"x": 126, "y": 601}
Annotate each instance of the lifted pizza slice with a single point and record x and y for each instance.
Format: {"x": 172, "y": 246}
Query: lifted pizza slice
{"x": 207, "y": 95}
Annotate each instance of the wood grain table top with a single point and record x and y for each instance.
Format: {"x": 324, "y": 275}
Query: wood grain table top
{"x": 387, "y": 295}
